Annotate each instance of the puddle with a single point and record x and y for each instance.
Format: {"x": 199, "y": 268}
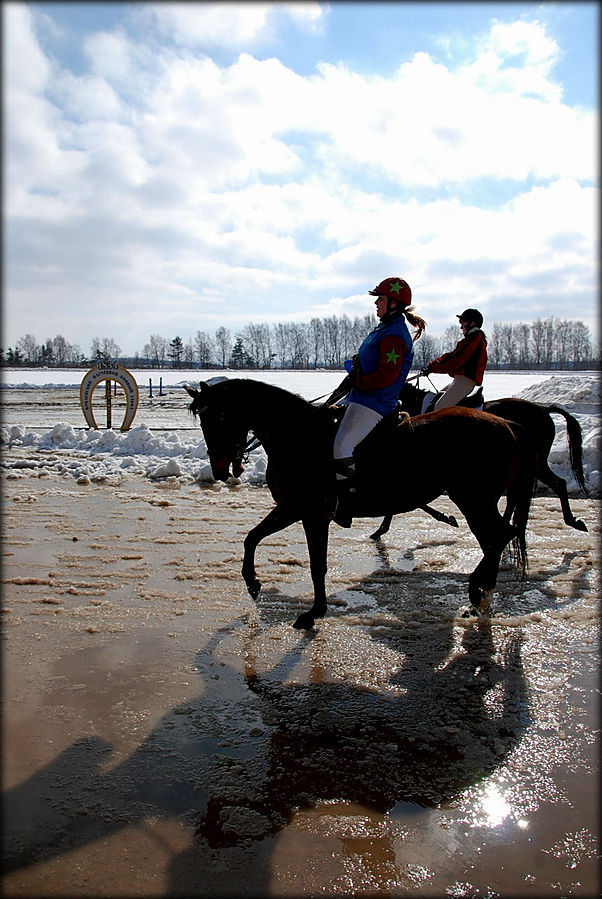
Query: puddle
{"x": 172, "y": 737}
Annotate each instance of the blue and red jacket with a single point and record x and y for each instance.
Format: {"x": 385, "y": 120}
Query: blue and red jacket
{"x": 386, "y": 357}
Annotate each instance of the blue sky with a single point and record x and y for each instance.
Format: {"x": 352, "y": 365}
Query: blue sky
{"x": 175, "y": 167}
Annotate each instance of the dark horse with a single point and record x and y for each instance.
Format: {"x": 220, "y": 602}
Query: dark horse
{"x": 438, "y": 449}
{"x": 539, "y": 424}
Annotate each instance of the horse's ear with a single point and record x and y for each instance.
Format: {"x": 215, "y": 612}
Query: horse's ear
{"x": 191, "y": 391}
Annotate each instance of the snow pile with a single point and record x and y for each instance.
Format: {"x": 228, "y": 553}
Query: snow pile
{"x": 90, "y": 455}
{"x": 581, "y": 397}
{"x": 578, "y": 395}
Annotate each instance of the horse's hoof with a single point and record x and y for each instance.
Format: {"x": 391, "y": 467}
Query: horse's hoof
{"x": 453, "y": 521}
{"x": 580, "y": 525}
{"x": 470, "y": 612}
{"x": 305, "y": 622}
{"x": 254, "y": 587}
{"x": 486, "y": 599}
{"x": 376, "y": 535}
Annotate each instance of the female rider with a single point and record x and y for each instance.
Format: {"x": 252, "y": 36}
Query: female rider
{"x": 379, "y": 372}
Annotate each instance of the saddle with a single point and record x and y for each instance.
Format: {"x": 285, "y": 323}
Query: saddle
{"x": 472, "y": 401}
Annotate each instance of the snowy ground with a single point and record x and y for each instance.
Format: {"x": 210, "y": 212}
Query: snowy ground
{"x": 165, "y": 735}
{"x": 163, "y": 442}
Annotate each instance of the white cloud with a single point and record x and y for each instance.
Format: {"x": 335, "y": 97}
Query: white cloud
{"x": 176, "y": 187}
{"x": 227, "y": 24}
{"x": 517, "y": 58}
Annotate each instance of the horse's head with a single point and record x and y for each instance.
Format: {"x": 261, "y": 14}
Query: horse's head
{"x": 411, "y": 398}
{"x": 221, "y": 421}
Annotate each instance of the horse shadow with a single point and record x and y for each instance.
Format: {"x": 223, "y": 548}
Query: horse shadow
{"x": 422, "y": 743}
{"x": 454, "y": 708}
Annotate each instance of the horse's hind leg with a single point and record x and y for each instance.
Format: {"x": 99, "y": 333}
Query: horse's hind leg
{"x": 384, "y": 527}
{"x": 493, "y": 534}
{"x": 438, "y": 516}
{"x": 316, "y": 533}
{"x": 276, "y": 520}
{"x": 558, "y": 485}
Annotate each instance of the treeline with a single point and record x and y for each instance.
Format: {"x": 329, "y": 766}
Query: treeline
{"x": 321, "y": 343}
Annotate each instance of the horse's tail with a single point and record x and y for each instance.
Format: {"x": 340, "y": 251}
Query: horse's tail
{"x": 519, "y": 495}
{"x": 575, "y": 441}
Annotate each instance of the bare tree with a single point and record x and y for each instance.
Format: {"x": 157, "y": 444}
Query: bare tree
{"x": 156, "y": 350}
{"x": 549, "y": 328}
{"x": 258, "y": 342}
{"x": 104, "y": 349}
{"x": 299, "y": 344}
{"x": 204, "y": 348}
{"x": 580, "y": 345}
{"x": 450, "y": 338}
{"x": 28, "y": 348}
{"x": 223, "y": 340}
{"x": 316, "y": 341}
{"x": 507, "y": 344}
{"x": 495, "y": 351}
{"x": 522, "y": 340}
{"x": 188, "y": 353}
{"x": 537, "y": 341}
{"x": 60, "y": 349}
{"x": 425, "y": 349}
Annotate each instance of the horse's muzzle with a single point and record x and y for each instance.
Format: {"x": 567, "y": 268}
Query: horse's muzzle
{"x": 220, "y": 466}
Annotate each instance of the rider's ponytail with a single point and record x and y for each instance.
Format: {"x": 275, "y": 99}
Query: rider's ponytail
{"x": 416, "y": 321}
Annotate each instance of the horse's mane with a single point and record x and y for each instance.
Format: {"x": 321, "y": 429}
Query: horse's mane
{"x": 270, "y": 392}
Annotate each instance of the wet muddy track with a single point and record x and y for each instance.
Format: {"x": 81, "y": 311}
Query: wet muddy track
{"x": 165, "y": 735}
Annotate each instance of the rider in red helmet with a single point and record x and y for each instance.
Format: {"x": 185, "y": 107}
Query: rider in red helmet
{"x": 465, "y": 364}
{"x": 378, "y": 372}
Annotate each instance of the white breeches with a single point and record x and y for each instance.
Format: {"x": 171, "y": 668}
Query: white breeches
{"x": 357, "y": 422}
{"x": 460, "y": 387}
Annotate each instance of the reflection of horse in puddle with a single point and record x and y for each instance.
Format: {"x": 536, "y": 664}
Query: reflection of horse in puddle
{"x": 453, "y": 708}
{"x": 445, "y": 723}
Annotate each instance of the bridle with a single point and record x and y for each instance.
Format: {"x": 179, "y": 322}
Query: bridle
{"x": 242, "y": 451}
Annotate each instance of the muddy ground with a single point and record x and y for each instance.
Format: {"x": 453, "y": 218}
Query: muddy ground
{"x": 164, "y": 735}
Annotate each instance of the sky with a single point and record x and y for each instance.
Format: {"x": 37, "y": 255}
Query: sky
{"x": 170, "y": 168}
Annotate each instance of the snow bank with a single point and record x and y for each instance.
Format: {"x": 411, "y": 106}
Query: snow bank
{"x": 176, "y": 457}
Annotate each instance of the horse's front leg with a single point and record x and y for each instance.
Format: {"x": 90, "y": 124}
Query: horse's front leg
{"x": 316, "y": 533}
{"x": 276, "y": 520}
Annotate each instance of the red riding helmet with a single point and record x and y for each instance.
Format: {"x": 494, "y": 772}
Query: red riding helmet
{"x": 395, "y": 289}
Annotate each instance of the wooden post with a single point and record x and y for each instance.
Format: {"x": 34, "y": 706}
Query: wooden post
{"x": 109, "y": 407}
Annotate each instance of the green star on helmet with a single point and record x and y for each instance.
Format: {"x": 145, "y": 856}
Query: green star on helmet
{"x": 396, "y": 287}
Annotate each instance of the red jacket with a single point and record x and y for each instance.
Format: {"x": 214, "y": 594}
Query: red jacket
{"x": 469, "y": 358}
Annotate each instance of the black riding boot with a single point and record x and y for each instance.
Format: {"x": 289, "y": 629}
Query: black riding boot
{"x": 345, "y": 488}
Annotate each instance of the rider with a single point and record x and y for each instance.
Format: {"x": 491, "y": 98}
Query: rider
{"x": 379, "y": 370}
{"x": 465, "y": 364}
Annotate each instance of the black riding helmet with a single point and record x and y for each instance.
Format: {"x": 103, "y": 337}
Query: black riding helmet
{"x": 471, "y": 315}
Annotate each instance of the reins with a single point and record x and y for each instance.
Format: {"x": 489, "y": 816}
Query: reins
{"x": 420, "y": 375}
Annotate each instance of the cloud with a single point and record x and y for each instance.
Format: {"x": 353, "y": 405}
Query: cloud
{"x": 234, "y": 25}
{"x": 180, "y": 189}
